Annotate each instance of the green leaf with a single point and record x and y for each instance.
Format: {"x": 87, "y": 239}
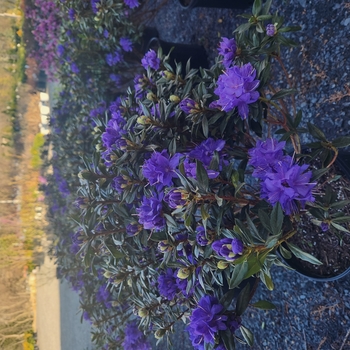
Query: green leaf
{"x": 266, "y": 279}
{"x": 316, "y": 174}
{"x": 298, "y": 118}
{"x": 276, "y": 220}
{"x": 243, "y": 300}
{"x": 202, "y": 175}
{"x": 303, "y": 255}
{"x": 264, "y": 305}
{"x": 341, "y": 141}
{"x": 256, "y": 7}
{"x": 339, "y": 227}
{"x": 227, "y": 298}
{"x": 238, "y": 275}
{"x": 243, "y": 27}
{"x": 316, "y": 132}
{"x": 264, "y": 219}
{"x": 266, "y": 7}
{"x": 256, "y": 263}
{"x": 283, "y": 93}
{"x": 264, "y": 17}
{"x": 253, "y": 230}
{"x": 247, "y": 335}
{"x": 341, "y": 219}
{"x": 228, "y": 339}
{"x": 205, "y": 127}
{"x": 289, "y": 29}
{"x": 285, "y": 252}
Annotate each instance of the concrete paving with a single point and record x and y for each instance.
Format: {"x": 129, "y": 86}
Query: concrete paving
{"x": 58, "y": 323}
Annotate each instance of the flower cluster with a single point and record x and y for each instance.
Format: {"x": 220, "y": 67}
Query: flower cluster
{"x": 282, "y": 180}
{"x": 237, "y": 88}
{"x": 207, "y": 320}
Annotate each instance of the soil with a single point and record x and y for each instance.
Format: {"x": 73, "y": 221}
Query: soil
{"x": 331, "y": 247}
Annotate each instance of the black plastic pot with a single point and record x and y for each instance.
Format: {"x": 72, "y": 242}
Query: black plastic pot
{"x": 343, "y": 162}
{"x": 181, "y": 53}
{"x": 229, "y": 4}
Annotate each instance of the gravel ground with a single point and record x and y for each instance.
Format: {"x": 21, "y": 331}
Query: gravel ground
{"x": 309, "y": 315}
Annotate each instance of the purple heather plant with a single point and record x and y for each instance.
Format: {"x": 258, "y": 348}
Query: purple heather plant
{"x": 150, "y": 60}
{"x": 228, "y": 248}
{"x": 189, "y": 106}
{"x": 236, "y": 88}
{"x": 265, "y": 155}
{"x": 205, "y": 151}
{"x": 206, "y": 321}
{"x": 159, "y": 170}
{"x": 132, "y": 3}
{"x": 134, "y": 338}
{"x": 288, "y": 184}
{"x": 126, "y": 44}
{"x": 271, "y": 30}
{"x": 167, "y": 284}
{"x": 227, "y": 49}
{"x": 151, "y": 213}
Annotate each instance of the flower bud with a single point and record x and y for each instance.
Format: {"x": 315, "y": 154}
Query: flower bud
{"x": 169, "y": 75}
{"x": 143, "y": 312}
{"x": 151, "y": 96}
{"x": 164, "y": 246}
{"x": 108, "y": 274}
{"x": 183, "y": 273}
{"x": 159, "y": 333}
{"x": 222, "y": 265}
{"x": 174, "y": 98}
{"x": 143, "y": 120}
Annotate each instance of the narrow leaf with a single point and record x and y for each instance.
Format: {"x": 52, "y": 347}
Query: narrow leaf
{"x": 303, "y": 255}
{"x": 247, "y": 335}
{"x": 238, "y": 274}
{"x": 264, "y": 305}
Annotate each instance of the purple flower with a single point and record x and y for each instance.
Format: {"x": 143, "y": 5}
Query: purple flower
{"x": 103, "y": 296}
{"x": 159, "y": 170}
{"x": 228, "y": 248}
{"x": 206, "y": 320}
{"x": 236, "y": 89}
{"x": 167, "y": 284}
{"x": 132, "y": 3}
{"x": 134, "y": 339}
{"x": 206, "y": 150}
{"x": 60, "y": 50}
{"x": 271, "y": 30}
{"x": 201, "y": 238}
{"x": 265, "y": 155}
{"x": 113, "y": 136}
{"x": 119, "y": 183}
{"x": 150, "y": 60}
{"x": 191, "y": 170}
{"x": 188, "y": 105}
{"x": 115, "y": 78}
{"x": 126, "y": 44}
{"x": 151, "y": 213}
{"x": 174, "y": 198}
{"x": 132, "y": 229}
{"x": 94, "y": 5}
{"x": 74, "y": 68}
{"x": 71, "y": 14}
{"x": 113, "y": 58}
{"x": 227, "y": 49}
{"x": 105, "y": 33}
{"x": 287, "y": 184}
{"x": 324, "y": 226}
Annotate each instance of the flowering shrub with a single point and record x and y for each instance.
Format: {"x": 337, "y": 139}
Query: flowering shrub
{"x": 195, "y": 187}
